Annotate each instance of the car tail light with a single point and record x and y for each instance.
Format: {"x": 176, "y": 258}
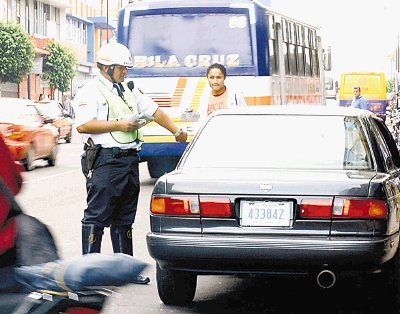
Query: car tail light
{"x": 15, "y": 135}
{"x": 359, "y": 208}
{"x": 343, "y": 208}
{"x": 176, "y": 205}
{"x": 190, "y": 205}
{"x": 215, "y": 207}
{"x": 316, "y": 208}
{"x": 376, "y": 107}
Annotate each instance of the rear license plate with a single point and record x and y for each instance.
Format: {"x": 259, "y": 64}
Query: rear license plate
{"x": 266, "y": 214}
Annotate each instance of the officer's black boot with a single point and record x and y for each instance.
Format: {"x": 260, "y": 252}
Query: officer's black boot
{"x": 91, "y": 238}
{"x": 121, "y": 238}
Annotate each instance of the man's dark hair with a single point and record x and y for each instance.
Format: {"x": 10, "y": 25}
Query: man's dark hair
{"x": 217, "y": 66}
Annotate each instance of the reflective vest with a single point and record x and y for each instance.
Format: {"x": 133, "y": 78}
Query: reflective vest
{"x": 117, "y": 109}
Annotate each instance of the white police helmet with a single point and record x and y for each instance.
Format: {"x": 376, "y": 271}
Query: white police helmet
{"x": 114, "y": 53}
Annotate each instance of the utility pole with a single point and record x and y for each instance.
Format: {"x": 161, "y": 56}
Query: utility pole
{"x": 397, "y": 70}
{"x": 397, "y": 55}
{"x": 107, "y": 24}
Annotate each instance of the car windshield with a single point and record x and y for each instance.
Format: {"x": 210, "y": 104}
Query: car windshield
{"x": 281, "y": 142}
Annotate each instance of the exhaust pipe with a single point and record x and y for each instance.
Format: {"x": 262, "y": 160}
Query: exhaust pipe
{"x": 326, "y": 279}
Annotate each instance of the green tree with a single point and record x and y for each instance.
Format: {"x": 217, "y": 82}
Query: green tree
{"x": 16, "y": 53}
{"x": 390, "y": 86}
{"x": 59, "y": 66}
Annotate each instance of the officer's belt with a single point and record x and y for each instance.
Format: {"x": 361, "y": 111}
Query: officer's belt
{"x": 118, "y": 152}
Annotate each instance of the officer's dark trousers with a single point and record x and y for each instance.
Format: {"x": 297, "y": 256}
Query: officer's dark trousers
{"x": 112, "y": 196}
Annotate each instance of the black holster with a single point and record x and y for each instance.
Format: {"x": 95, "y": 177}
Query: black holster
{"x": 92, "y": 151}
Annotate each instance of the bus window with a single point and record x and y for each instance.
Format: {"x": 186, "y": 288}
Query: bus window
{"x": 292, "y": 49}
{"x": 293, "y": 59}
{"x": 300, "y": 49}
{"x": 273, "y": 68}
{"x": 178, "y": 41}
{"x": 307, "y": 62}
{"x": 300, "y": 60}
{"x": 306, "y": 37}
{"x": 314, "y": 63}
{"x": 285, "y": 45}
{"x": 271, "y": 26}
{"x": 272, "y": 57}
{"x": 301, "y": 36}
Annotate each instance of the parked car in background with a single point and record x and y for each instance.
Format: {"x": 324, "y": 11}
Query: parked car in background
{"x": 27, "y": 134}
{"x": 284, "y": 191}
{"x": 52, "y": 109}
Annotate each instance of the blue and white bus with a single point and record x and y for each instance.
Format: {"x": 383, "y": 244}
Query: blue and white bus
{"x": 272, "y": 59}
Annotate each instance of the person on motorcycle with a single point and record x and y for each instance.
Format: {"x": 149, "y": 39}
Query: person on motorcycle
{"x": 10, "y": 174}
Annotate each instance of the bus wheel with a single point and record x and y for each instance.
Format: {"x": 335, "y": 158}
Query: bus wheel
{"x": 158, "y": 166}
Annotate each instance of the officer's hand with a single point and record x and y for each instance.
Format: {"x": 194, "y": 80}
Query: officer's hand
{"x": 181, "y": 137}
{"x": 126, "y": 125}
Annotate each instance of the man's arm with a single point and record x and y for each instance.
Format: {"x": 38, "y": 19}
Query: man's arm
{"x": 365, "y": 104}
{"x": 162, "y": 119}
{"x": 101, "y": 126}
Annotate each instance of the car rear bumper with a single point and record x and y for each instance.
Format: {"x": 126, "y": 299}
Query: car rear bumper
{"x": 228, "y": 254}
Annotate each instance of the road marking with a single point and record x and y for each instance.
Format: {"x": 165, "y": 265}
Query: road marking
{"x": 52, "y": 176}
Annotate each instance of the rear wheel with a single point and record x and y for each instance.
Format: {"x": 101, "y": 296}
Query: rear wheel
{"x": 175, "y": 287}
{"x": 394, "y": 278}
{"x": 53, "y": 156}
{"x": 389, "y": 283}
{"x": 29, "y": 160}
{"x": 68, "y": 137}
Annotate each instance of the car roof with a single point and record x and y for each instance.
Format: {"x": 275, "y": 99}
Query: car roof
{"x": 319, "y": 110}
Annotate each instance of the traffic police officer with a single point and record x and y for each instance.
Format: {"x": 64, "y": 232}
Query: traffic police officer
{"x": 110, "y": 161}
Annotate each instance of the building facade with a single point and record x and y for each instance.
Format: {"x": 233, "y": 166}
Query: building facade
{"x": 82, "y": 26}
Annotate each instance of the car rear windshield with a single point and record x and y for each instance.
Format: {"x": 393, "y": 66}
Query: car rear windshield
{"x": 281, "y": 142}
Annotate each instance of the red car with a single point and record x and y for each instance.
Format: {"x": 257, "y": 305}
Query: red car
{"x": 52, "y": 109}
{"x": 26, "y": 133}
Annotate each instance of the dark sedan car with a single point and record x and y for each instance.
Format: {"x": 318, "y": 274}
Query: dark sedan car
{"x": 281, "y": 190}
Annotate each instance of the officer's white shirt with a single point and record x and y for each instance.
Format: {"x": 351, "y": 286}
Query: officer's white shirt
{"x": 89, "y": 103}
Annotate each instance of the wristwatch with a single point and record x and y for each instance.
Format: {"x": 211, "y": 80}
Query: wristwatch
{"x": 179, "y": 132}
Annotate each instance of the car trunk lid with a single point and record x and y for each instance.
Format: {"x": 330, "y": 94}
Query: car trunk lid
{"x": 266, "y": 189}
{"x": 270, "y": 182}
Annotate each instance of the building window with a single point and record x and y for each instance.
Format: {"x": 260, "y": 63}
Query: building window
{"x": 76, "y": 31}
{"x": 43, "y": 15}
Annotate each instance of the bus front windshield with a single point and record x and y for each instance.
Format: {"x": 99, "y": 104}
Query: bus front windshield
{"x": 187, "y": 41}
